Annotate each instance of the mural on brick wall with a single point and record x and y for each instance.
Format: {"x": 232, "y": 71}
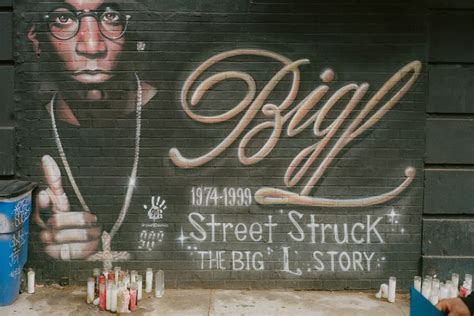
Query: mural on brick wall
{"x": 235, "y": 160}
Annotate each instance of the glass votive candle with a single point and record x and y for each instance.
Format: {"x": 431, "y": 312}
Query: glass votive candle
{"x": 455, "y": 285}
{"x": 417, "y": 283}
{"x": 443, "y": 291}
{"x": 392, "y": 286}
{"x": 426, "y": 288}
{"x": 468, "y": 281}
{"x": 435, "y": 285}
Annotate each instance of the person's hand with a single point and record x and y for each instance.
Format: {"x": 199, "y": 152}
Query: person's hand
{"x": 67, "y": 235}
{"x": 454, "y": 307}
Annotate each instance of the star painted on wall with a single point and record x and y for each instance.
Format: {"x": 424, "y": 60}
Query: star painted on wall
{"x": 392, "y": 216}
{"x": 182, "y": 238}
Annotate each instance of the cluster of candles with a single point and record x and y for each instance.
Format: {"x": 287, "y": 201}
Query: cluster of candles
{"x": 120, "y": 291}
{"x": 431, "y": 288}
{"x": 434, "y": 290}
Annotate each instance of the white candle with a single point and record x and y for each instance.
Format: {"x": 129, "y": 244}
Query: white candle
{"x": 426, "y": 288}
{"x": 435, "y": 287}
{"x": 90, "y": 290}
{"x": 149, "y": 280}
{"x": 113, "y": 299}
{"x": 443, "y": 291}
{"x": 123, "y": 301}
{"x": 31, "y": 281}
{"x": 126, "y": 280}
{"x": 392, "y": 286}
{"x": 140, "y": 287}
{"x": 449, "y": 284}
{"x": 434, "y": 299}
{"x": 133, "y": 276}
{"x": 468, "y": 281}
{"x": 455, "y": 286}
{"x": 117, "y": 274}
{"x": 108, "y": 295}
{"x": 159, "y": 283}
{"x": 417, "y": 283}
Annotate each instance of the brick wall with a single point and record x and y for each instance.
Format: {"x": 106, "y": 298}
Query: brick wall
{"x": 449, "y": 156}
{"x": 7, "y": 131}
{"x": 266, "y": 233}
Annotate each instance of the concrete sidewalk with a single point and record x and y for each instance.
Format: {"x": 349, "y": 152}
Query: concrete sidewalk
{"x": 71, "y": 301}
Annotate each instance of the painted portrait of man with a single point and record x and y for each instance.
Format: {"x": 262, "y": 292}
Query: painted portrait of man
{"x": 94, "y": 105}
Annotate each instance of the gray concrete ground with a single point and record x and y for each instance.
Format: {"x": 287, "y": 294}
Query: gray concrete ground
{"x": 71, "y": 301}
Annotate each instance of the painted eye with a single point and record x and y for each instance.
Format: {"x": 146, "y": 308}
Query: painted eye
{"x": 63, "y": 19}
{"x": 111, "y": 17}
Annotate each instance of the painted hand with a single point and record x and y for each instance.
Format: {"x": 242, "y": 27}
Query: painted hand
{"x": 67, "y": 235}
{"x": 454, "y": 307}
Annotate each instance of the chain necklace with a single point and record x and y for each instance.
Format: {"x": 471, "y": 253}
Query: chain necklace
{"x": 133, "y": 174}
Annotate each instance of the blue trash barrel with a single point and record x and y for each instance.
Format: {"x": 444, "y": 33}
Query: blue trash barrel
{"x": 15, "y": 210}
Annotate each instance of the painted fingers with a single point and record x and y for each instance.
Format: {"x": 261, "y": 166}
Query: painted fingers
{"x": 67, "y": 235}
{"x": 72, "y": 251}
{"x": 55, "y": 190}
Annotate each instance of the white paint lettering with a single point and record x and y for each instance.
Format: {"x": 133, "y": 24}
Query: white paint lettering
{"x": 336, "y": 234}
{"x": 240, "y": 232}
{"x": 320, "y": 263}
{"x": 368, "y": 259}
{"x": 224, "y": 230}
{"x": 312, "y": 225}
{"x": 353, "y": 235}
{"x": 256, "y": 231}
{"x": 286, "y": 263}
{"x": 332, "y": 254}
{"x": 213, "y": 226}
{"x": 372, "y": 228}
{"x": 254, "y": 103}
{"x": 357, "y": 261}
{"x": 270, "y": 225}
{"x": 345, "y": 266}
{"x": 297, "y": 226}
{"x": 198, "y": 227}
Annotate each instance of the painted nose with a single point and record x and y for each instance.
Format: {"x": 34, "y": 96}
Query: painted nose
{"x": 90, "y": 41}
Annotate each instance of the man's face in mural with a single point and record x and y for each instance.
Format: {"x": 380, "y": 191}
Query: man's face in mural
{"x": 87, "y": 36}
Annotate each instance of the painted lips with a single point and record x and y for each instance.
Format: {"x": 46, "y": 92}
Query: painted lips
{"x": 92, "y": 76}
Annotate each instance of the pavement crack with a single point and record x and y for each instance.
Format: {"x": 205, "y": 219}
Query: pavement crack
{"x": 210, "y": 303}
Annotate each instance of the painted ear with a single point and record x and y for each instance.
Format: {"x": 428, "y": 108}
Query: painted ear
{"x": 32, "y": 37}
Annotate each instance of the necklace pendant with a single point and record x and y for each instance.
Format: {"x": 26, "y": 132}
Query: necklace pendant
{"x": 107, "y": 256}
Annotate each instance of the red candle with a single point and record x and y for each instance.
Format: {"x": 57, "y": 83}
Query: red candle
{"x": 102, "y": 293}
{"x": 133, "y": 297}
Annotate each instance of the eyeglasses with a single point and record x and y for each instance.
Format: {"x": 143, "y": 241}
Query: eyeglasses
{"x": 64, "y": 23}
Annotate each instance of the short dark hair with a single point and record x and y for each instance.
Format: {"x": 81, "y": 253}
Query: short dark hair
{"x": 30, "y": 13}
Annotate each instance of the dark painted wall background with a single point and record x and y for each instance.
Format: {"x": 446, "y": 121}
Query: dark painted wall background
{"x": 448, "y": 220}
{"x": 366, "y": 41}
{"x": 7, "y": 131}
